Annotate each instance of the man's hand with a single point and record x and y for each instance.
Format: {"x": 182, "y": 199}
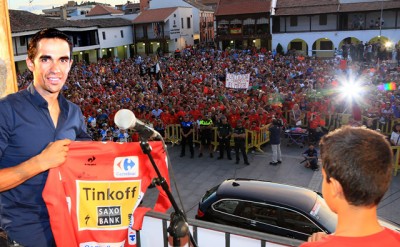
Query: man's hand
{"x": 317, "y": 236}
{"x": 54, "y": 154}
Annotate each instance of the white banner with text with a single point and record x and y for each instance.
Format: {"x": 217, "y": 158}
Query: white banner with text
{"x": 240, "y": 81}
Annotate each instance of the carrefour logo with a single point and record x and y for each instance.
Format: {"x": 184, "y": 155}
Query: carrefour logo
{"x": 126, "y": 167}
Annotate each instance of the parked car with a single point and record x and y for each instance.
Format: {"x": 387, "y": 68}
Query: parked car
{"x": 274, "y": 208}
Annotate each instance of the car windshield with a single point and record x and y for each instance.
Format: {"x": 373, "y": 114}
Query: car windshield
{"x": 324, "y": 214}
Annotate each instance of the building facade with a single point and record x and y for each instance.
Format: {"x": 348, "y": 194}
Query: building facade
{"x": 242, "y": 24}
{"x": 163, "y": 30}
{"x": 92, "y": 39}
{"x": 321, "y": 27}
{"x": 203, "y": 17}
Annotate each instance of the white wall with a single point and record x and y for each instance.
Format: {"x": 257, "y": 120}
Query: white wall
{"x": 330, "y": 25}
{"x": 186, "y": 33}
{"x": 180, "y": 36}
{"x": 78, "y": 11}
{"x": 158, "y": 4}
{"x": 113, "y": 36}
{"x": 303, "y": 24}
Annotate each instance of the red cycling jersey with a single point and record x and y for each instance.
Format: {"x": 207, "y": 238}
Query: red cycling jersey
{"x": 93, "y": 197}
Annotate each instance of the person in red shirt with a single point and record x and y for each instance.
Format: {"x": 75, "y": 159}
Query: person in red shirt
{"x": 196, "y": 113}
{"x": 314, "y": 120}
{"x": 233, "y": 117}
{"x": 356, "y": 175}
{"x": 166, "y": 117}
{"x": 180, "y": 113}
{"x": 254, "y": 117}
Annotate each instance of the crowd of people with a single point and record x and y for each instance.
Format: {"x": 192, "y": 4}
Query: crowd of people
{"x": 39, "y": 123}
{"x": 294, "y": 88}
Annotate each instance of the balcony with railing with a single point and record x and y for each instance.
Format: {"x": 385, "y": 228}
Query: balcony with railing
{"x": 154, "y": 233}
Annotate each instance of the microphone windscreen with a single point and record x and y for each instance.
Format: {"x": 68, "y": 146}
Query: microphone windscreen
{"x": 125, "y": 119}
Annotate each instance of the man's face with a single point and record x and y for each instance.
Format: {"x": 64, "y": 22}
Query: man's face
{"x": 50, "y": 66}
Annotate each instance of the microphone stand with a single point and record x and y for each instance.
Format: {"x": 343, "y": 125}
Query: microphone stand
{"x": 178, "y": 227}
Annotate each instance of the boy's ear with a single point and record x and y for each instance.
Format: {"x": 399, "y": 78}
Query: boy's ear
{"x": 336, "y": 189}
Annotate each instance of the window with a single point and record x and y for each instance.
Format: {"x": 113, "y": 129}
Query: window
{"x": 297, "y": 222}
{"x": 22, "y": 41}
{"x": 122, "y": 33}
{"x": 293, "y": 21}
{"x": 222, "y": 27}
{"x": 104, "y": 35}
{"x": 326, "y": 45}
{"x": 249, "y": 26}
{"x": 298, "y": 46}
{"x": 182, "y": 23}
{"x": 226, "y": 206}
{"x": 323, "y": 19}
{"x": 188, "y": 22}
{"x": 260, "y": 212}
{"x": 262, "y": 25}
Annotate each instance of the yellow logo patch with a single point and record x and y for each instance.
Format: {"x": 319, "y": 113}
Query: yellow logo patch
{"x": 106, "y": 204}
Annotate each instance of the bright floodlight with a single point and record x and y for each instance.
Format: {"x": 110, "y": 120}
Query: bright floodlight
{"x": 351, "y": 90}
{"x": 388, "y": 44}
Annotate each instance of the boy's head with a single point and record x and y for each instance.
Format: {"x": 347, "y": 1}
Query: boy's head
{"x": 360, "y": 160}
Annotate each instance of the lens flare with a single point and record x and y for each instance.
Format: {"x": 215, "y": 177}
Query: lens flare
{"x": 351, "y": 90}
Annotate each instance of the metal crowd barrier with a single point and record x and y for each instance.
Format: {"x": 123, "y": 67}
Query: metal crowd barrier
{"x": 154, "y": 233}
{"x": 255, "y": 139}
{"x": 173, "y": 133}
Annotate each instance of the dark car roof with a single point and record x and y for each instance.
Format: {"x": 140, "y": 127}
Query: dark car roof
{"x": 262, "y": 191}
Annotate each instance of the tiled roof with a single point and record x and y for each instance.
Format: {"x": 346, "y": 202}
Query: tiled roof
{"x": 103, "y": 10}
{"x": 104, "y": 22}
{"x": 234, "y": 7}
{"x": 198, "y": 5}
{"x": 306, "y": 7}
{"x": 371, "y": 6}
{"x": 21, "y": 21}
{"x": 154, "y": 15}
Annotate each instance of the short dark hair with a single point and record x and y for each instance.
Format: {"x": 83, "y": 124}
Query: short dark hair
{"x": 48, "y": 33}
{"x": 275, "y": 121}
{"x": 360, "y": 160}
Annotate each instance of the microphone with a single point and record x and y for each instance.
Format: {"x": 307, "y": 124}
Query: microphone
{"x": 125, "y": 119}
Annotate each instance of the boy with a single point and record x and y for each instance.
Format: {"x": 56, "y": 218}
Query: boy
{"x": 357, "y": 167}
